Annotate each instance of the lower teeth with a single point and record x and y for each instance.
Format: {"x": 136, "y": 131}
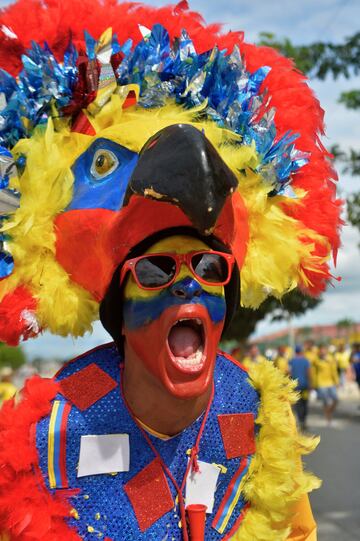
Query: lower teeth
{"x": 191, "y": 362}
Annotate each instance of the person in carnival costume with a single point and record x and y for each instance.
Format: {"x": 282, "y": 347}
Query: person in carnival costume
{"x": 155, "y": 171}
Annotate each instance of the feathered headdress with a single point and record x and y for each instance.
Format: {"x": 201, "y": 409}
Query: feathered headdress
{"x": 85, "y": 90}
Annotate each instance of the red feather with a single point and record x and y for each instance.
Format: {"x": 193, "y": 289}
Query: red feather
{"x": 28, "y": 512}
{"x": 58, "y": 20}
{"x": 14, "y": 309}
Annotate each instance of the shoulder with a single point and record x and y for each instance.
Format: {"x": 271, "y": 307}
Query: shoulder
{"x": 231, "y": 373}
{"x": 277, "y": 479}
{"x": 18, "y": 418}
{"x": 90, "y": 376}
{"x": 226, "y": 358}
{"x": 90, "y": 379}
{"x": 234, "y": 391}
{"x": 105, "y": 356}
{"x": 23, "y": 501}
{"x": 21, "y": 425}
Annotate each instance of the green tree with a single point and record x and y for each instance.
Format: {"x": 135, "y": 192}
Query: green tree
{"x": 11, "y": 356}
{"x": 353, "y": 205}
{"x": 319, "y": 60}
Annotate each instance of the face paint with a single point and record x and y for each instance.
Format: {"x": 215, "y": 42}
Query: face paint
{"x": 175, "y": 331}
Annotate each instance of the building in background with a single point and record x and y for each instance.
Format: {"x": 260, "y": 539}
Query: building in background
{"x": 339, "y": 333}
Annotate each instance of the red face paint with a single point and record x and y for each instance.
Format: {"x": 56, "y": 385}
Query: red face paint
{"x": 175, "y": 336}
{"x": 151, "y": 344}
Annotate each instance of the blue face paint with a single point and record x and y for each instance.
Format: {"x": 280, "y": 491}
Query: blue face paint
{"x": 92, "y": 190}
{"x": 140, "y": 312}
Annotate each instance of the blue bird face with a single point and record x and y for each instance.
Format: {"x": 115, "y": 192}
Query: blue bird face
{"x": 102, "y": 174}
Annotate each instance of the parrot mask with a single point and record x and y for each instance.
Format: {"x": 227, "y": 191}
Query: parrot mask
{"x": 113, "y": 131}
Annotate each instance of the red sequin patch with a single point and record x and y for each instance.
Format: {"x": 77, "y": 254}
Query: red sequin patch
{"x": 238, "y": 435}
{"x": 87, "y": 386}
{"x": 149, "y": 494}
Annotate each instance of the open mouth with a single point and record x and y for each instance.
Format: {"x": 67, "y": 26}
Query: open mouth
{"x": 186, "y": 341}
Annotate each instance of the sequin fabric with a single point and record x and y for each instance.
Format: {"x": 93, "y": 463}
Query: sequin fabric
{"x": 237, "y": 432}
{"x": 101, "y": 507}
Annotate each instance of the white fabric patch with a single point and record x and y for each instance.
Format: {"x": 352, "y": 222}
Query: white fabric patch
{"x": 201, "y": 486}
{"x": 109, "y": 453}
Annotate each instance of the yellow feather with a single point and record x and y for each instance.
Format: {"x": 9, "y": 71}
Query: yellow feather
{"x": 46, "y": 189}
{"x": 275, "y": 481}
{"x": 275, "y": 252}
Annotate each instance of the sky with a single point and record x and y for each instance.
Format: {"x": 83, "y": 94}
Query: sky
{"x": 304, "y": 22}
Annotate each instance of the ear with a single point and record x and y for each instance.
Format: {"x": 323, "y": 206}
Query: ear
{"x": 111, "y": 309}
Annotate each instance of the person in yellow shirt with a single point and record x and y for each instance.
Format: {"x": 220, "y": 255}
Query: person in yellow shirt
{"x": 7, "y": 388}
{"x": 252, "y": 356}
{"x": 327, "y": 381}
{"x": 342, "y": 358}
{"x": 281, "y": 360}
{"x": 311, "y": 353}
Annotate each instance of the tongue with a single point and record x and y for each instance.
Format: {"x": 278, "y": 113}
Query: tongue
{"x": 184, "y": 341}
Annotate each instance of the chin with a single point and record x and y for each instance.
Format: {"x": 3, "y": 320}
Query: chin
{"x": 183, "y": 376}
{"x": 186, "y": 388}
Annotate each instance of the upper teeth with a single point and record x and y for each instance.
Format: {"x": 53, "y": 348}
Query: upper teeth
{"x": 197, "y": 320}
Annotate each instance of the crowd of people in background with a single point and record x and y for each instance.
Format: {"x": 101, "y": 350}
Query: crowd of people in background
{"x": 316, "y": 368}
{"x": 11, "y": 379}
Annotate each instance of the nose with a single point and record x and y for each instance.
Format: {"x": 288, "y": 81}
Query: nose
{"x": 186, "y": 289}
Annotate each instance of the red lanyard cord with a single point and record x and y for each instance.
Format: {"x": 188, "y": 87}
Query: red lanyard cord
{"x": 192, "y": 463}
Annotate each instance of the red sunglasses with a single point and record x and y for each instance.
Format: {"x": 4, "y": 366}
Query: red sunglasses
{"x": 156, "y": 271}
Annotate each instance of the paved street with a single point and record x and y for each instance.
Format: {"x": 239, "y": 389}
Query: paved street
{"x": 336, "y": 505}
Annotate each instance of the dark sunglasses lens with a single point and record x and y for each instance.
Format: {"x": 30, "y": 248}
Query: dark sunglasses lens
{"x": 155, "y": 271}
{"x": 212, "y": 268}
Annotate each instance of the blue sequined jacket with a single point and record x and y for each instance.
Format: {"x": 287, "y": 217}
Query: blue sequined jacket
{"x": 141, "y": 503}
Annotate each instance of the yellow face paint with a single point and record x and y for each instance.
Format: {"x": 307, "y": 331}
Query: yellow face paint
{"x": 179, "y": 244}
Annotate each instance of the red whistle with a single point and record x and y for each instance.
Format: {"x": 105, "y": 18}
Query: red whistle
{"x": 196, "y": 516}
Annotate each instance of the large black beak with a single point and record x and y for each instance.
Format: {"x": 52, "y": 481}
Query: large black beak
{"x": 179, "y": 165}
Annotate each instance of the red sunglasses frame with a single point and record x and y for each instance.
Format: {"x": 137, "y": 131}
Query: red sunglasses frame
{"x": 130, "y": 265}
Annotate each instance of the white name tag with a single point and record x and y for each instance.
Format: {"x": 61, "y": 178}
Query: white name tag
{"x": 201, "y": 486}
{"x": 109, "y": 453}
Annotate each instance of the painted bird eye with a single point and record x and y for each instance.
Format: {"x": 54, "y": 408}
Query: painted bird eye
{"x": 104, "y": 163}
